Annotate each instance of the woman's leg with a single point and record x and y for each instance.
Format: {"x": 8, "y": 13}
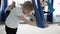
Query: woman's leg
{"x": 10, "y": 30}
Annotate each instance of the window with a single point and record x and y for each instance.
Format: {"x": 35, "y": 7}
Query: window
{"x": 18, "y": 2}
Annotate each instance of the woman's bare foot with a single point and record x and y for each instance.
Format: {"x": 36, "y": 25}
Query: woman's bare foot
{"x": 46, "y": 25}
{"x": 59, "y": 24}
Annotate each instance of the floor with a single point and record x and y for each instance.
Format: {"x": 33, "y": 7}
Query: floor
{"x": 29, "y": 29}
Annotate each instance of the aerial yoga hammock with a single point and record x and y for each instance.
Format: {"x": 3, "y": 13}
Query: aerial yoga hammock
{"x": 39, "y": 14}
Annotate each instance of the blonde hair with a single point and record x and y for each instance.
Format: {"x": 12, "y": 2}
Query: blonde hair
{"x": 10, "y": 7}
{"x": 28, "y": 5}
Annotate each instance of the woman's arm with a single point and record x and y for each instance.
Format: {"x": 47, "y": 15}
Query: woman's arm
{"x": 27, "y": 21}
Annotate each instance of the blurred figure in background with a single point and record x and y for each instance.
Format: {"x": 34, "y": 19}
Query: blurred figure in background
{"x": 9, "y": 8}
{"x": 43, "y": 3}
{"x": 13, "y": 4}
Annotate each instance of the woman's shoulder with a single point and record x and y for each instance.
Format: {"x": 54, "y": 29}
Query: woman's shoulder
{"x": 17, "y": 8}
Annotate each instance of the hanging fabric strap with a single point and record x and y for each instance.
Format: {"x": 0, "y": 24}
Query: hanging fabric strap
{"x": 38, "y": 13}
{"x": 4, "y": 6}
{"x": 40, "y": 9}
{"x": 50, "y": 6}
{"x": 50, "y": 10}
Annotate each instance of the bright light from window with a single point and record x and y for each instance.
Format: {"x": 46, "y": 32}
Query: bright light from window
{"x": 18, "y": 2}
{"x": 56, "y": 5}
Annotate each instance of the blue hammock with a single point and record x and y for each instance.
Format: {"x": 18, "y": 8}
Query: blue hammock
{"x": 38, "y": 13}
